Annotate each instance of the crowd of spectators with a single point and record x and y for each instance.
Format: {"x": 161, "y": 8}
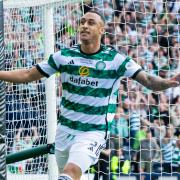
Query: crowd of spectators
{"x": 146, "y": 127}
{"x": 145, "y": 134}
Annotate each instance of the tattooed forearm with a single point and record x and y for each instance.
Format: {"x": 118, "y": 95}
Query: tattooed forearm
{"x": 156, "y": 83}
{"x": 152, "y": 82}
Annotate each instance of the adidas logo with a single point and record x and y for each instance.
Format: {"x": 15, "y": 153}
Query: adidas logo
{"x": 71, "y": 62}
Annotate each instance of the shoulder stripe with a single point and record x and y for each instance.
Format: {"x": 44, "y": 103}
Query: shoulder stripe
{"x": 122, "y": 68}
{"x": 52, "y": 63}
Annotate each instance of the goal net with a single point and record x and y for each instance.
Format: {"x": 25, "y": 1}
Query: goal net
{"x": 145, "y": 132}
{"x": 27, "y": 26}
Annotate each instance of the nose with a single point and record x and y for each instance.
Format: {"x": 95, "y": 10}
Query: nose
{"x": 85, "y": 24}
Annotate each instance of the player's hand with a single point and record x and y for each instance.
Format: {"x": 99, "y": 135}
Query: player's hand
{"x": 175, "y": 81}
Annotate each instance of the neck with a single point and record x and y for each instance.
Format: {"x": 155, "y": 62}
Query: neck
{"x": 90, "y": 48}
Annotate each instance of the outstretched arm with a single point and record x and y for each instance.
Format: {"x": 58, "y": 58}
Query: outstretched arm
{"x": 157, "y": 83}
{"x": 21, "y": 75}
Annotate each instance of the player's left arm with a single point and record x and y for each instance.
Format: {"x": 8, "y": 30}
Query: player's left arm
{"x": 157, "y": 83}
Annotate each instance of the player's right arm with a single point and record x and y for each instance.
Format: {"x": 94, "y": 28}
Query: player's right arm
{"x": 21, "y": 75}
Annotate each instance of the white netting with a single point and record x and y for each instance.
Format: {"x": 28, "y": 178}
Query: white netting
{"x": 26, "y": 103}
{"x": 146, "y": 30}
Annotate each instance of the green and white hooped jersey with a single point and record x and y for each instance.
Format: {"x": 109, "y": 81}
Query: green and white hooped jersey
{"x": 90, "y": 84}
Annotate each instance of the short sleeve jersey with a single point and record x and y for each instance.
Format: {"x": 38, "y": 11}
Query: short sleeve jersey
{"x": 90, "y": 83}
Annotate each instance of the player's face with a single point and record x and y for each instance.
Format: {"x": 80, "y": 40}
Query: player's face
{"x": 91, "y": 27}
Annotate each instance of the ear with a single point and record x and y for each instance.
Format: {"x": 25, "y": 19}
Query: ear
{"x": 102, "y": 30}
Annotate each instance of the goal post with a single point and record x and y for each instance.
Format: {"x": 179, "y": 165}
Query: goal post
{"x": 50, "y": 89}
{"x": 2, "y": 100}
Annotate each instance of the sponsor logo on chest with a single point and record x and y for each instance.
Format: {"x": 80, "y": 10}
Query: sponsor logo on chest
{"x": 83, "y": 81}
{"x": 84, "y": 71}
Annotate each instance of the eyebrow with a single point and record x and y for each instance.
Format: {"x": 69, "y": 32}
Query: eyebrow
{"x": 90, "y": 19}
{"x": 87, "y": 19}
